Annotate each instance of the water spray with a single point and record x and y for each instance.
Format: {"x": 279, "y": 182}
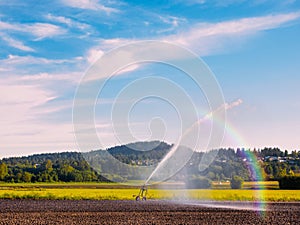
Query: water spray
{"x": 226, "y": 106}
{"x": 197, "y": 123}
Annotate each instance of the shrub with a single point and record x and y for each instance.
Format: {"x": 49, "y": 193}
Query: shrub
{"x": 198, "y": 183}
{"x": 289, "y": 182}
{"x": 236, "y": 182}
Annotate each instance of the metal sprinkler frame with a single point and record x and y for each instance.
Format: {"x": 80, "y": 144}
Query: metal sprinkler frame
{"x": 142, "y": 193}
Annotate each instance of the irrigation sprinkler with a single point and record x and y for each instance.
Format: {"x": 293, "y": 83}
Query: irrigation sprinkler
{"x": 142, "y": 193}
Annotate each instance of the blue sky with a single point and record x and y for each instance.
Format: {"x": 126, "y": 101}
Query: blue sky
{"x": 251, "y": 46}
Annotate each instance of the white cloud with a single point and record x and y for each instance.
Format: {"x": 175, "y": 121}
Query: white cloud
{"x": 93, "y": 54}
{"x": 46, "y": 77}
{"x": 89, "y": 4}
{"x": 43, "y": 30}
{"x": 60, "y": 19}
{"x": 8, "y": 26}
{"x": 109, "y": 44}
{"x": 197, "y": 1}
{"x": 16, "y": 43}
{"x": 24, "y": 104}
{"x": 17, "y": 102}
{"x": 206, "y": 37}
{"x": 38, "y": 30}
{"x": 103, "y": 46}
{"x": 69, "y": 22}
{"x": 172, "y": 21}
{"x": 14, "y": 94}
{"x": 216, "y": 3}
{"x": 128, "y": 69}
{"x": 2, "y": 69}
{"x": 36, "y": 137}
{"x": 13, "y": 60}
{"x": 202, "y": 38}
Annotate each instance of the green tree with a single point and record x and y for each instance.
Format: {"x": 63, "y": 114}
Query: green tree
{"x": 77, "y": 176}
{"x": 27, "y": 177}
{"x": 211, "y": 175}
{"x": 282, "y": 173}
{"x": 291, "y": 173}
{"x": 236, "y": 182}
{"x": 19, "y": 177}
{"x": 48, "y": 165}
{"x": 66, "y": 173}
{"x": 198, "y": 183}
{"x": 294, "y": 154}
{"x": 269, "y": 170}
{"x": 43, "y": 177}
{"x": 3, "y": 171}
{"x": 276, "y": 170}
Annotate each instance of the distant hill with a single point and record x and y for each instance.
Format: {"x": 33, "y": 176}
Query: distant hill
{"x": 76, "y": 166}
{"x": 72, "y": 166}
{"x": 146, "y": 150}
{"x": 137, "y": 152}
{"x": 41, "y": 158}
{"x": 140, "y": 148}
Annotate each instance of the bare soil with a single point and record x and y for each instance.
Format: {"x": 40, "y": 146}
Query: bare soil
{"x": 149, "y": 212}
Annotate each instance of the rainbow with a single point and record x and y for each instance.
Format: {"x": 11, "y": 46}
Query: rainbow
{"x": 253, "y": 166}
{"x": 252, "y": 162}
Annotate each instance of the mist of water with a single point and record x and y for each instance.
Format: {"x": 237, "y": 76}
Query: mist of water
{"x": 182, "y": 153}
{"x": 250, "y": 206}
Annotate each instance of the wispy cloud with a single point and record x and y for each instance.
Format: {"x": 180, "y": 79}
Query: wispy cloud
{"x": 38, "y": 30}
{"x": 172, "y": 21}
{"x": 103, "y": 46}
{"x": 25, "y": 102}
{"x": 43, "y": 30}
{"x": 67, "y": 21}
{"x": 89, "y": 4}
{"x": 31, "y": 60}
{"x": 128, "y": 69}
{"x": 242, "y": 26}
{"x": 93, "y": 54}
{"x": 16, "y": 43}
{"x": 70, "y": 76}
{"x": 14, "y": 94}
{"x": 204, "y": 37}
{"x": 218, "y": 3}
{"x": 17, "y": 102}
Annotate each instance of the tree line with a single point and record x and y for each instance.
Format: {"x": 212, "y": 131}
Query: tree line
{"x": 73, "y": 167}
{"x": 57, "y": 167}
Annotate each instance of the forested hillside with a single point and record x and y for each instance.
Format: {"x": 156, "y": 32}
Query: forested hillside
{"x": 72, "y": 166}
